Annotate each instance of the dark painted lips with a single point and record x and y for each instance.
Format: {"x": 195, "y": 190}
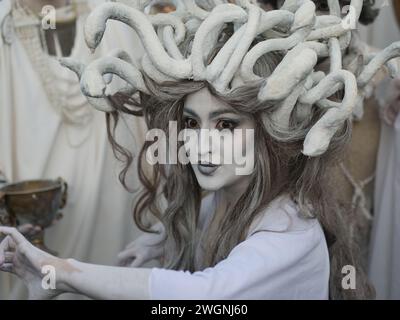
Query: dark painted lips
{"x": 207, "y": 168}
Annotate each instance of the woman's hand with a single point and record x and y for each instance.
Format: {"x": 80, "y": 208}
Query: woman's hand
{"x": 20, "y": 257}
{"x": 144, "y": 249}
{"x": 29, "y": 231}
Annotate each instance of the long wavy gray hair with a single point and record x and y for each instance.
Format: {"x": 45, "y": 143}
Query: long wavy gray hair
{"x": 280, "y": 167}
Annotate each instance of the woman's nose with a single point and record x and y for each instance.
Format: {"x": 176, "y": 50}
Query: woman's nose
{"x": 209, "y": 146}
{"x": 204, "y": 143}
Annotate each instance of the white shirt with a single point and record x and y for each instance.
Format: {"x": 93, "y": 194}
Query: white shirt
{"x": 283, "y": 257}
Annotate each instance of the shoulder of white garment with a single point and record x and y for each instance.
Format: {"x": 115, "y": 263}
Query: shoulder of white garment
{"x": 284, "y": 257}
{"x": 281, "y": 215}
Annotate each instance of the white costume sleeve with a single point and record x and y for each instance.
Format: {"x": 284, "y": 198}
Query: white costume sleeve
{"x": 267, "y": 265}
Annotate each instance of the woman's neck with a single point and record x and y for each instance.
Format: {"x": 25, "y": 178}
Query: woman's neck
{"x": 227, "y": 197}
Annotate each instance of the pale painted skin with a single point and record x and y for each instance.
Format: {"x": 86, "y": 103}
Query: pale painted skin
{"x": 20, "y": 257}
{"x": 204, "y": 111}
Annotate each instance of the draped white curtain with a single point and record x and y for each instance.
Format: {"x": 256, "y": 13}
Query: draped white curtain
{"x": 36, "y": 141}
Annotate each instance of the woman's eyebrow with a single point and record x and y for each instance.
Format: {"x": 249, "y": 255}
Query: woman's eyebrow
{"x": 217, "y": 113}
{"x": 212, "y": 115}
{"x": 191, "y": 113}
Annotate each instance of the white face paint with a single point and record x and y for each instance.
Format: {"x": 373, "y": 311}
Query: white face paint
{"x": 214, "y": 169}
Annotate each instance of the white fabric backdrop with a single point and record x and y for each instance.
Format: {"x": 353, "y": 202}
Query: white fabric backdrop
{"x": 35, "y": 142}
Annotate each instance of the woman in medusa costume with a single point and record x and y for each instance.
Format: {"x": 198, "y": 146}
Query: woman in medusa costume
{"x": 273, "y": 233}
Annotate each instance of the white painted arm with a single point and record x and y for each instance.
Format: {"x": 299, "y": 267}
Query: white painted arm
{"x": 21, "y": 258}
{"x": 105, "y": 282}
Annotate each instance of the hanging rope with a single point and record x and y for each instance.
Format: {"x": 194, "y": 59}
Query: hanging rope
{"x": 359, "y": 198}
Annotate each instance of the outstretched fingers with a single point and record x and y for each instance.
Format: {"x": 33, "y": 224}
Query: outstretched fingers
{"x": 17, "y": 237}
{"x": 7, "y": 246}
{"x": 138, "y": 262}
{"x": 7, "y": 267}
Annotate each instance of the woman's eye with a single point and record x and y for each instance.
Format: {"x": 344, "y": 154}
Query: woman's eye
{"x": 191, "y": 123}
{"x": 226, "y": 124}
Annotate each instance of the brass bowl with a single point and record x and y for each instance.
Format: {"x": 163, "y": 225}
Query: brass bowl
{"x": 35, "y": 202}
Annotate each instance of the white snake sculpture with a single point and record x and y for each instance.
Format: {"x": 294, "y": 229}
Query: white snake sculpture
{"x": 305, "y": 38}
